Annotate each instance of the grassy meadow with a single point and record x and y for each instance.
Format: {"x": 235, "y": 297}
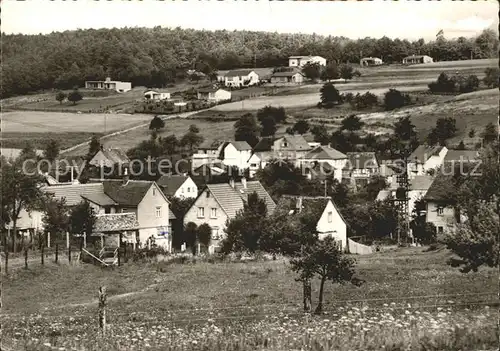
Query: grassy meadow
{"x": 410, "y": 297}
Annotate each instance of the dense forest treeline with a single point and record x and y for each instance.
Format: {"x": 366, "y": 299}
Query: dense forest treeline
{"x": 159, "y": 56}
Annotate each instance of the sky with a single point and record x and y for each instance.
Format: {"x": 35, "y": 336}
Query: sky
{"x": 352, "y": 19}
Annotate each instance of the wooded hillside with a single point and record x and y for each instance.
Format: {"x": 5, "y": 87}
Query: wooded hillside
{"x": 158, "y": 56}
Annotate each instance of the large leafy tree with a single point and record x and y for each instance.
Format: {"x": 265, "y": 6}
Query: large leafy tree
{"x": 56, "y": 217}
{"x": 446, "y": 128}
{"x": 247, "y": 129}
{"x": 277, "y": 113}
{"x": 82, "y": 218}
{"x": 51, "y": 150}
{"x": 330, "y": 96}
{"x": 351, "y": 123}
{"x": 268, "y": 126}
{"x": 156, "y": 124}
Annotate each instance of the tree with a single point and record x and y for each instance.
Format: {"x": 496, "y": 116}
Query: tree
{"x": 156, "y": 124}
{"x": 55, "y": 218}
{"x": 20, "y": 190}
{"x": 190, "y": 236}
{"x": 405, "y": 129}
{"x": 492, "y": 77}
{"x": 352, "y": 123}
{"x": 191, "y": 139}
{"x": 179, "y": 207}
{"x": 247, "y": 129}
{"x": 472, "y": 133}
{"x": 330, "y": 72}
{"x": 301, "y": 127}
{"x": 445, "y": 129}
{"x": 444, "y": 84}
{"x": 312, "y": 70}
{"x": 60, "y": 96}
{"x": 423, "y": 231}
{"x": 490, "y": 133}
{"x": 94, "y": 147}
{"x": 346, "y": 72}
{"x": 394, "y": 99}
{"x": 75, "y": 96}
{"x": 82, "y": 218}
{"x": 320, "y": 133}
{"x": 204, "y": 234}
{"x": 51, "y": 150}
{"x": 325, "y": 260}
{"x": 277, "y": 113}
{"x": 268, "y": 126}
{"x": 193, "y": 128}
{"x": 169, "y": 144}
{"x": 330, "y": 96}
{"x": 461, "y": 145}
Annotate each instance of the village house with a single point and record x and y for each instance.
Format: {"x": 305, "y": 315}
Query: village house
{"x": 287, "y": 77}
{"x": 301, "y": 61}
{"x": 425, "y": 158}
{"x": 179, "y": 186}
{"x": 208, "y": 172}
{"x": 218, "y": 203}
{"x": 109, "y": 157}
{"x": 370, "y": 61}
{"x": 359, "y": 168}
{"x": 413, "y": 59}
{"x": 142, "y": 199}
{"x": 417, "y": 190}
{"x": 158, "y": 94}
{"x": 330, "y": 222}
{"x": 109, "y": 84}
{"x": 288, "y": 147}
{"x": 214, "y": 95}
{"x": 229, "y": 153}
{"x": 241, "y": 78}
{"x": 324, "y": 161}
{"x": 207, "y": 152}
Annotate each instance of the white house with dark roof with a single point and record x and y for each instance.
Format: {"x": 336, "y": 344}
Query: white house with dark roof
{"x": 413, "y": 59}
{"x": 425, "y": 158}
{"x": 288, "y": 147}
{"x": 241, "y": 78}
{"x": 229, "y": 153}
{"x": 219, "y": 202}
{"x": 329, "y": 219}
{"x": 324, "y": 161}
{"x": 287, "y": 77}
{"x": 179, "y": 186}
{"x": 214, "y": 95}
{"x": 359, "y": 168}
{"x": 109, "y": 84}
{"x": 301, "y": 61}
{"x": 156, "y": 94}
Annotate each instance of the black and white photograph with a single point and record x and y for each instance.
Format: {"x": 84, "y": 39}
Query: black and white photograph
{"x": 252, "y": 175}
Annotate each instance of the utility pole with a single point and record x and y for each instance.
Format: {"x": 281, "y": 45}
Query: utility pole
{"x": 402, "y": 198}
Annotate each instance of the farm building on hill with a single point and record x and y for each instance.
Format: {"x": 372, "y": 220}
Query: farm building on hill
{"x": 301, "y": 61}
{"x": 109, "y": 84}
{"x": 287, "y": 77}
{"x": 157, "y": 95}
{"x": 214, "y": 95}
{"x": 370, "y": 61}
{"x": 241, "y": 78}
{"x": 417, "y": 59}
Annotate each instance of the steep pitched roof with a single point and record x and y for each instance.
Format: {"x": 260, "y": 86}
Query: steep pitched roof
{"x": 420, "y": 182}
{"x": 361, "y": 160}
{"x": 264, "y": 144}
{"x": 115, "y": 155}
{"x": 100, "y": 199}
{"x": 240, "y": 145}
{"x": 312, "y": 204}
{"x": 210, "y": 144}
{"x": 116, "y": 222}
{"x": 440, "y": 188}
{"x": 298, "y": 142}
{"x": 171, "y": 183}
{"x": 73, "y": 193}
{"x": 423, "y": 152}
{"x": 232, "y": 199}
{"x": 324, "y": 153}
{"x": 239, "y": 72}
{"x": 129, "y": 194}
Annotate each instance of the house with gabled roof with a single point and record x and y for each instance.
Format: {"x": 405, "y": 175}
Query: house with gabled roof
{"x": 425, "y": 158}
{"x": 179, "y": 186}
{"x": 157, "y": 94}
{"x": 229, "y": 153}
{"x": 329, "y": 219}
{"x": 324, "y": 161}
{"x": 287, "y": 77}
{"x": 240, "y": 78}
{"x": 301, "y": 61}
{"x": 287, "y": 147}
{"x": 144, "y": 199}
{"x": 214, "y": 95}
{"x": 359, "y": 168}
{"x": 109, "y": 157}
{"x": 218, "y": 203}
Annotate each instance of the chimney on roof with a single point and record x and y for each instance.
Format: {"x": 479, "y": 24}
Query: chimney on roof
{"x": 244, "y": 182}
{"x": 108, "y": 79}
{"x": 126, "y": 177}
{"x": 231, "y": 182}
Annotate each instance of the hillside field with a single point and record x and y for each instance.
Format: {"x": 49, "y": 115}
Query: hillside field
{"x": 151, "y": 298}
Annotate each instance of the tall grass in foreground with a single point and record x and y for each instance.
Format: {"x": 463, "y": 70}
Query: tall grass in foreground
{"x": 346, "y": 329}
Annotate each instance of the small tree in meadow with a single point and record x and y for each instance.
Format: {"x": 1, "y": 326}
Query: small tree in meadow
{"x": 352, "y": 123}
{"x": 394, "y": 99}
{"x": 51, "y": 150}
{"x": 60, "y": 96}
{"x": 156, "y": 124}
{"x": 330, "y": 96}
{"x": 75, "y": 96}
{"x": 346, "y": 72}
{"x": 325, "y": 260}
{"x": 301, "y": 127}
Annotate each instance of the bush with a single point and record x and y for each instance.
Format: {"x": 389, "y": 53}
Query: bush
{"x": 492, "y": 77}
{"x": 145, "y": 254}
{"x": 366, "y": 100}
{"x": 469, "y": 84}
{"x": 394, "y": 99}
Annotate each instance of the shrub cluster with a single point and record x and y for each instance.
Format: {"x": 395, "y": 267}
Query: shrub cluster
{"x": 455, "y": 84}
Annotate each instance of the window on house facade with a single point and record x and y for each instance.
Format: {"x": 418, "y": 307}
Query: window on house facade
{"x": 213, "y": 213}
{"x": 253, "y": 165}
{"x": 215, "y": 233}
{"x": 330, "y": 217}
{"x": 201, "y": 212}
{"x": 208, "y": 193}
{"x": 154, "y": 191}
{"x": 107, "y": 210}
{"x": 189, "y": 189}
{"x": 158, "y": 212}
{"x": 440, "y": 230}
{"x": 182, "y": 190}
{"x": 440, "y": 211}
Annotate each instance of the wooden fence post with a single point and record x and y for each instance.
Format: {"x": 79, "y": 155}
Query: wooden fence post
{"x": 69, "y": 253}
{"x": 6, "y": 260}
{"x": 57, "y": 252}
{"x": 67, "y": 240}
{"x": 119, "y": 258}
{"x": 25, "y": 258}
{"x": 42, "y": 253}
{"x": 85, "y": 239}
{"x": 102, "y": 309}
{"x": 48, "y": 239}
